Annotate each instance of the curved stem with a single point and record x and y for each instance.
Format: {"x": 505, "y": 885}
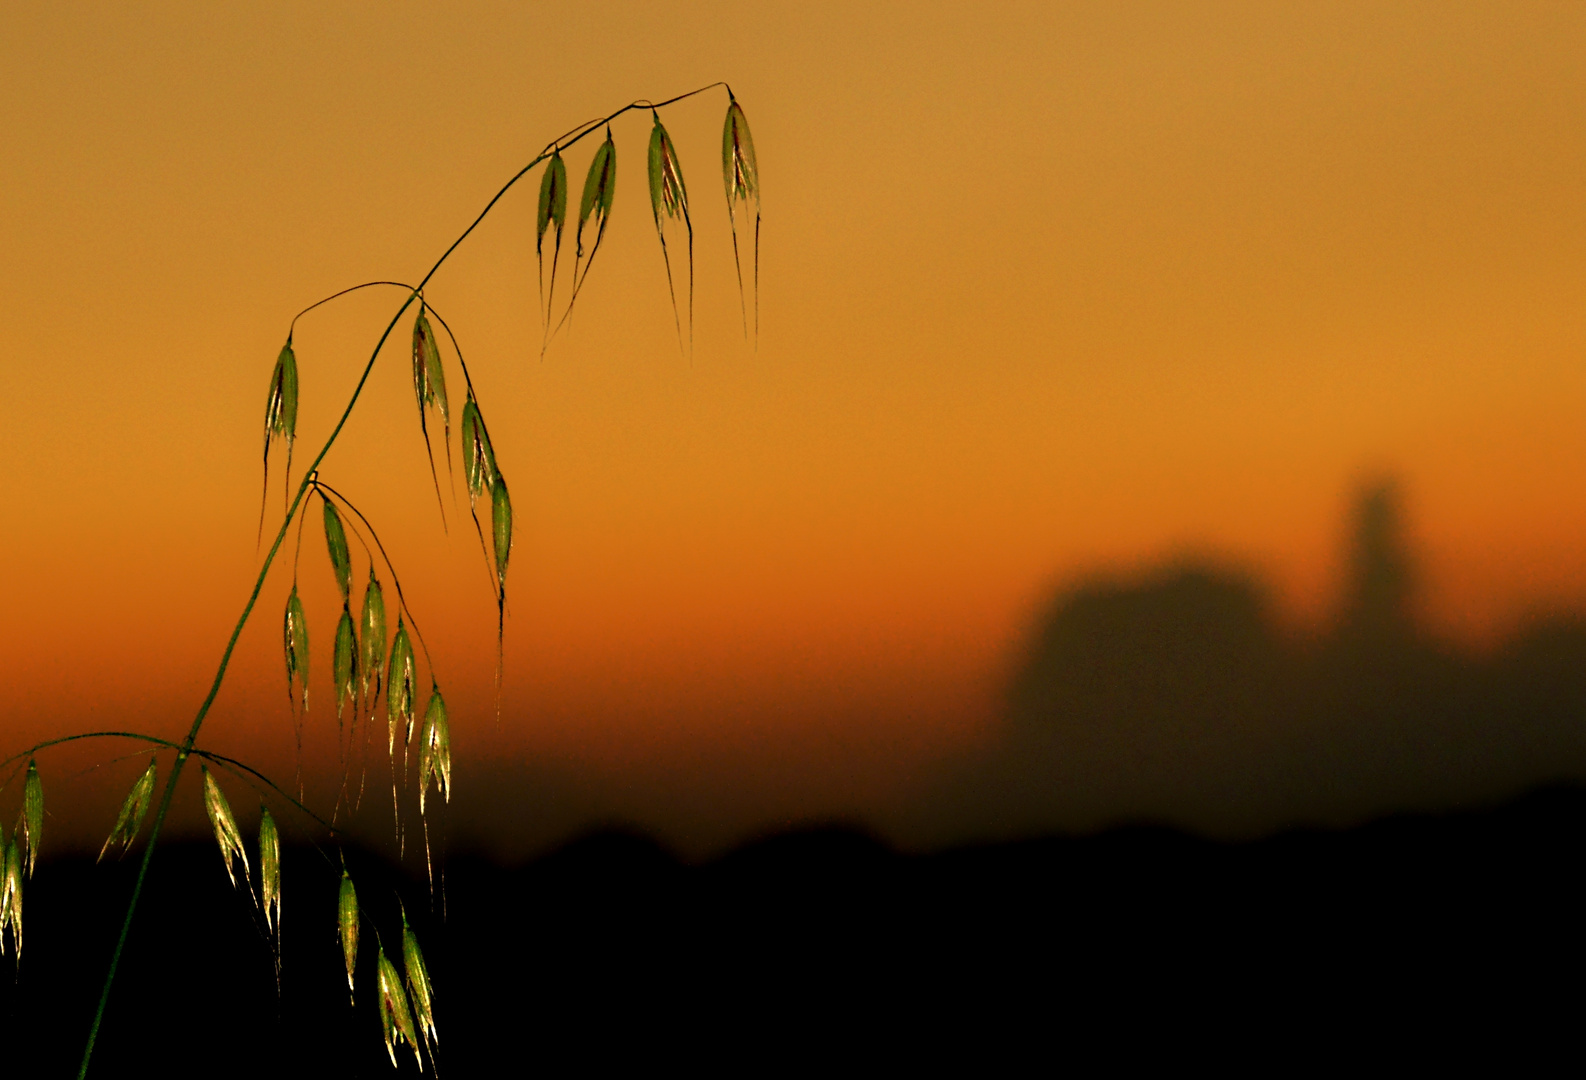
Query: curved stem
{"x": 185, "y": 749}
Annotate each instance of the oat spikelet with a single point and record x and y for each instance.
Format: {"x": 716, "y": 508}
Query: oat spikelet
{"x": 371, "y": 667}
{"x": 669, "y": 200}
{"x": 396, "y": 1022}
{"x": 429, "y": 386}
{"x": 479, "y": 457}
{"x": 227, "y": 835}
{"x": 435, "y": 750}
{"x": 270, "y": 871}
{"x": 401, "y": 691}
{"x": 553, "y": 209}
{"x": 33, "y": 814}
{"x": 296, "y": 634}
{"x": 347, "y": 927}
{"x": 130, "y": 820}
{"x": 280, "y": 417}
{"x": 741, "y": 176}
{"x": 344, "y": 661}
{"x": 419, "y": 988}
{"x": 336, "y": 544}
{"x": 11, "y": 897}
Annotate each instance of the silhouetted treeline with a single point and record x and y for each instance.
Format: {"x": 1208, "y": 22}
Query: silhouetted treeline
{"x": 1177, "y": 699}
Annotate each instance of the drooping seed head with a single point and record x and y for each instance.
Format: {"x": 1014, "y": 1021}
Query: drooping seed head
{"x": 479, "y": 458}
{"x": 371, "y": 666}
{"x": 33, "y": 813}
{"x": 429, "y": 377}
{"x": 435, "y": 750}
{"x": 280, "y": 410}
{"x": 396, "y": 1022}
{"x": 130, "y": 820}
{"x": 501, "y": 526}
{"x": 336, "y": 544}
{"x": 12, "y": 890}
{"x": 668, "y": 195}
{"x": 227, "y": 835}
{"x": 296, "y": 634}
{"x": 738, "y": 168}
{"x": 269, "y": 870}
{"x": 344, "y": 661}
{"x": 553, "y": 199}
{"x": 600, "y": 187}
{"x": 401, "y": 691}
{"x": 347, "y": 927}
{"x": 419, "y": 989}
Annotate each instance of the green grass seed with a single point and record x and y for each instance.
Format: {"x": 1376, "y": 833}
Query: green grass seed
{"x": 224, "y": 822}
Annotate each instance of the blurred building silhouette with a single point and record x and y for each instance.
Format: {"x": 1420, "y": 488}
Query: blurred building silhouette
{"x": 1377, "y": 596}
{"x": 1175, "y": 698}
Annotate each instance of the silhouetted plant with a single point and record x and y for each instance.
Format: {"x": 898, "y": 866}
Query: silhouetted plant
{"x": 362, "y": 668}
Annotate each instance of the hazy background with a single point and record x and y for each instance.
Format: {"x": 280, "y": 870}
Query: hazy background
{"x": 1049, "y": 294}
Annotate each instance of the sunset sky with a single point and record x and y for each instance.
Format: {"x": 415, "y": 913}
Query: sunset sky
{"x": 1047, "y": 290}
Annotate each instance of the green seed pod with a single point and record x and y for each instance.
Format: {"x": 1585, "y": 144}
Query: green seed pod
{"x": 347, "y": 926}
{"x": 344, "y": 662}
{"x": 33, "y": 810}
{"x": 296, "y": 633}
{"x": 130, "y": 820}
{"x": 600, "y": 186}
{"x": 419, "y": 989}
{"x": 12, "y": 897}
{"x": 739, "y": 171}
{"x": 336, "y": 543}
{"x": 400, "y": 692}
{"x": 479, "y": 458}
{"x": 227, "y": 835}
{"x": 280, "y": 410}
{"x": 371, "y": 665}
{"x": 668, "y": 195}
{"x": 429, "y": 377}
{"x": 741, "y": 176}
{"x": 269, "y": 870}
{"x": 553, "y": 200}
{"x": 435, "y": 750}
{"x": 396, "y": 1023}
{"x": 501, "y": 526}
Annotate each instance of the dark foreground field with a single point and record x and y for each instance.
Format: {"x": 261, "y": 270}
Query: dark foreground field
{"x": 826, "y": 951}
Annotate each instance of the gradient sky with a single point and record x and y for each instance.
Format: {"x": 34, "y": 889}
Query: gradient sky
{"x": 1047, "y": 290}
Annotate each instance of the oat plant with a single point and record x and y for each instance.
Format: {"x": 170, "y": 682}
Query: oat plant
{"x": 369, "y": 659}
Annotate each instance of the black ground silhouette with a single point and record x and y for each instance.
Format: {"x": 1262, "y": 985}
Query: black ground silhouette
{"x": 826, "y": 949}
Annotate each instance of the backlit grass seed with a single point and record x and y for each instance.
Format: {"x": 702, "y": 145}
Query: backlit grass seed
{"x": 269, "y": 870}
{"x": 501, "y": 527}
{"x": 227, "y": 835}
{"x": 371, "y": 667}
{"x": 347, "y": 926}
{"x": 401, "y": 691}
{"x": 435, "y": 750}
{"x": 396, "y": 1022}
{"x": 419, "y": 989}
{"x": 296, "y": 634}
{"x": 11, "y": 895}
{"x": 336, "y": 544}
{"x": 130, "y": 820}
{"x": 33, "y": 809}
{"x": 344, "y": 661}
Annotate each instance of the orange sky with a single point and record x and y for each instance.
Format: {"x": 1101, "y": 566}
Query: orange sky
{"x": 1043, "y": 292}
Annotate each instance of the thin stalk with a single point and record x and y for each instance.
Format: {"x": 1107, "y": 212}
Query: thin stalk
{"x": 186, "y": 747}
